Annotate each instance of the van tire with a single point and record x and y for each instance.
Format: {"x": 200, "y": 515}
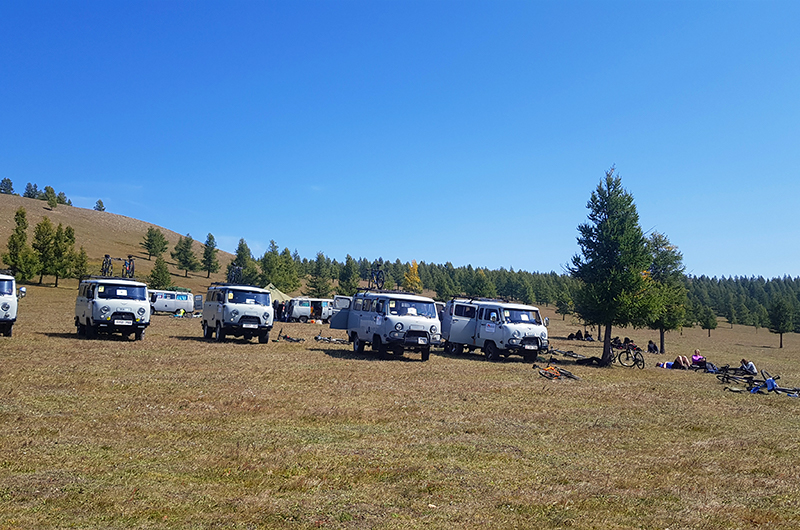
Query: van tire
{"x": 379, "y": 347}
{"x": 207, "y": 331}
{"x": 219, "y": 334}
{"x": 303, "y": 319}
{"x": 91, "y": 331}
{"x": 358, "y": 344}
{"x": 8, "y": 331}
{"x": 138, "y": 334}
{"x": 263, "y": 338}
{"x": 491, "y": 351}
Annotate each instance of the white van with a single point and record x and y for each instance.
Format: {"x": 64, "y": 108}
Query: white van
{"x": 171, "y": 301}
{"x": 111, "y": 305}
{"x": 391, "y": 321}
{"x": 237, "y": 310}
{"x": 305, "y": 309}
{"x": 8, "y": 302}
{"x": 494, "y": 326}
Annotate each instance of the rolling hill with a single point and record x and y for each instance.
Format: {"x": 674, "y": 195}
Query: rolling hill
{"x": 103, "y": 233}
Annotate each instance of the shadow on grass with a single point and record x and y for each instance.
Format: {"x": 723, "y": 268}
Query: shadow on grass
{"x": 226, "y": 340}
{"x": 115, "y": 337}
{"x": 368, "y": 355}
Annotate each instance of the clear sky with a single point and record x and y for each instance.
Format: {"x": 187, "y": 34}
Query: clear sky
{"x": 465, "y": 131}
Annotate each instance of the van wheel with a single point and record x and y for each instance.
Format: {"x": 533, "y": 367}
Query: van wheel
{"x": 80, "y": 329}
{"x": 138, "y": 334}
{"x": 219, "y": 335}
{"x": 303, "y": 319}
{"x": 426, "y": 353}
{"x": 263, "y": 338}
{"x": 207, "y": 331}
{"x": 491, "y": 351}
{"x": 379, "y": 347}
{"x": 8, "y": 331}
{"x": 152, "y": 310}
{"x": 358, "y": 344}
{"x": 91, "y": 331}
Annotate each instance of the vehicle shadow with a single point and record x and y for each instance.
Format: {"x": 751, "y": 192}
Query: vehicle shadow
{"x": 115, "y": 337}
{"x": 367, "y": 355}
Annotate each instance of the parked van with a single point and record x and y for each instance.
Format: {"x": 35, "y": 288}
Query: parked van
{"x": 305, "y": 309}
{"x": 238, "y": 310}
{"x": 171, "y": 301}
{"x": 111, "y": 305}
{"x": 390, "y": 321}
{"x": 494, "y": 326}
{"x": 9, "y": 296}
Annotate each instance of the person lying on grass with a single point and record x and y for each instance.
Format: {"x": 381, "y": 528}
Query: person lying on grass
{"x": 681, "y": 362}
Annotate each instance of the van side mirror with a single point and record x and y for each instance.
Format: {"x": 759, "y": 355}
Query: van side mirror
{"x": 546, "y": 321}
{"x": 22, "y": 292}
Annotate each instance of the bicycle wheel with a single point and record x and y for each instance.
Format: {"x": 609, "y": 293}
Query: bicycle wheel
{"x": 380, "y": 278}
{"x": 626, "y": 358}
{"x": 567, "y": 373}
{"x": 638, "y": 359}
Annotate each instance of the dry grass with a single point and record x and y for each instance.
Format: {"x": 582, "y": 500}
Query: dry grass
{"x": 177, "y": 432}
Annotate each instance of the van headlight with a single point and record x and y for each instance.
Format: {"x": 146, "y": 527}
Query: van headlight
{"x": 235, "y": 313}
{"x": 141, "y": 311}
{"x": 266, "y": 316}
{"x": 543, "y": 335}
{"x": 6, "y": 306}
{"x": 433, "y": 330}
{"x": 399, "y": 326}
{"x": 517, "y": 334}
{"x": 105, "y": 309}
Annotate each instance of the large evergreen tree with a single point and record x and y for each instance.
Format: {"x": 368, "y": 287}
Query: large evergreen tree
{"x": 708, "y": 319}
{"x": 210, "y": 261}
{"x": 249, "y": 269}
{"x": 44, "y": 245}
{"x": 6, "y": 186}
{"x": 21, "y": 258}
{"x": 50, "y": 197}
{"x": 781, "y": 317}
{"x": 159, "y": 277}
{"x": 319, "y": 284}
{"x": 666, "y": 272}
{"x": 64, "y": 256}
{"x": 613, "y": 287}
{"x": 154, "y": 242}
{"x": 348, "y": 278}
{"x": 185, "y": 256}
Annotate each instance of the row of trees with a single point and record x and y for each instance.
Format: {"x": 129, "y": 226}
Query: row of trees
{"x": 51, "y": 253}
{"x": 32, "y": 191}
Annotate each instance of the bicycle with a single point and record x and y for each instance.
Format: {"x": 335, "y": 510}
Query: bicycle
{"x": 287, "y": 338}
{"x": 107, "y": 269}
{"x": 630, "y": 357}
{"x": 331, "y": 340}
{"x": 235, "y": 274}
{"x": 376, "y": 279}
{"x": 556, "y": 372}
{"x": 128, "y": 267}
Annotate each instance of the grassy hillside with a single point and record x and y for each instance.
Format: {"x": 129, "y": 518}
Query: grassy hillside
{"x": 103, "y": 233}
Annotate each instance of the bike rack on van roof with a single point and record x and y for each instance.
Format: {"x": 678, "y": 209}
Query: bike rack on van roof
{"x": 469, "y": 300}
{"x": 101, "y": 277}
{"x": 384, "y": 291}
{"x": 227, "y": 284}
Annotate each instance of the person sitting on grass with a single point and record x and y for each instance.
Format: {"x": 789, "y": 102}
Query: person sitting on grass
{"x": 698, "y": 360}
{"x": 651, "y": 347}
{"x": 749, "y": 367}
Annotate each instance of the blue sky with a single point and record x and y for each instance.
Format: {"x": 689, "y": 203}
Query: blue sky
{"x": 465, "y": 131}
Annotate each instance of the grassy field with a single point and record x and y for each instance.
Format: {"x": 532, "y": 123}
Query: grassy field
{"x": 177, "y": 432}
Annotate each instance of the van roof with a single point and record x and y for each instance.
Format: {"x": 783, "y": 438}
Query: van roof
{"x": 394, "y": 294}
{"x": 112, "y": 279}
{"x": 220, "y": 285}
{"x": 493, "y": 301}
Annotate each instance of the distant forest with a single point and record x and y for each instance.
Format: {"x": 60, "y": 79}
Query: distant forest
{"x": 739, "y": 300}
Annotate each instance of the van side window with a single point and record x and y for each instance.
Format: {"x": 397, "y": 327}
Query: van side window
{"x": 466, "y": 311}
{"x": 358, "y": 304}
{"x": 379, "y": 306}
{"x": 480, "y": 314}
{"x": 368, "y": 305}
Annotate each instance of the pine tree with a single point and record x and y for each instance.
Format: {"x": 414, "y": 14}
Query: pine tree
{"x": 210, "y": 261}
{"x": 613, "y": 290}
{"x": 319, "y": 285}
{"x": 31, "y": 191}
{"x": 244, "y": 259}
{"x": 185, "y": 256}
{"x": 64, "y": 256}
{"x": 154, "y": 242}
{"x": 159, "y": 277}
{"x": 80, "y": 267}
{"x": 291, "y": 279}
{"x": 348, "y": 278}
{"x": 666, "y": 273}
{"x": 44, "y": 245}
{"x": 21, "y": 258}
{"x": 781, "y": 317}
{"x": 708, "y": 319}
{"x": 100, "y": 207}
{"x": 6, "y": 186}
{"x": 50, "y": 197}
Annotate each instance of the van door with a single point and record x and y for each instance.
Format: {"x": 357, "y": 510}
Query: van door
{"x": 488, "y": 319}
{"x": 198, "y": 302}
{"x": 341, "y": 312}
{"x": 463, "y": 324}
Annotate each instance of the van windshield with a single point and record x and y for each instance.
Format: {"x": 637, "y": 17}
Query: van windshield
{"x": 412, "y": 308}
{"x": 521, "y": 316}
{"x": 248, "y": 297}
{"x": 121, "y": 292}
{"x": 6, "y": 287}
